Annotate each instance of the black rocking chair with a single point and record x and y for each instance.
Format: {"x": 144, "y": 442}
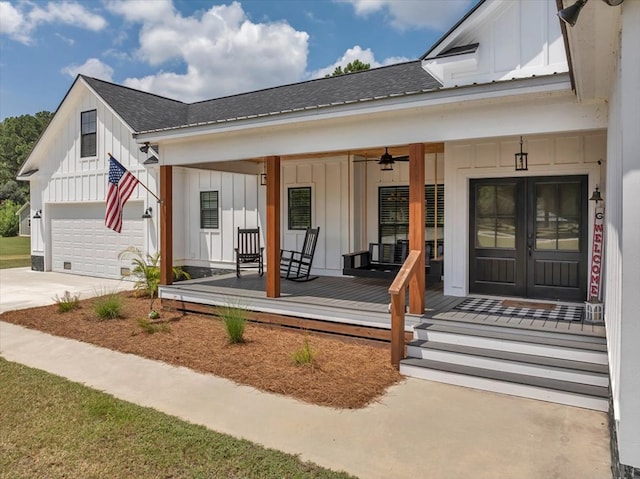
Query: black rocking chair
{"x": 296, "y": 265}
{"x": 249, "y": 251}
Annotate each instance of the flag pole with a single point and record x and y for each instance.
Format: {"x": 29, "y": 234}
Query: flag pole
{"x": 141, "y": 183}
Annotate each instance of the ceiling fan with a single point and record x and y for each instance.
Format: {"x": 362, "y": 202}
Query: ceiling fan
{"x": 386, "y": 161}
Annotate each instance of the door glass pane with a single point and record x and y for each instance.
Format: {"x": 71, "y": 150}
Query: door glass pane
{"x": 506, "y": 233}
{"x": 496, "y": 216}
{"x": 485, "y": 233}
{"x": 558, "y": 208}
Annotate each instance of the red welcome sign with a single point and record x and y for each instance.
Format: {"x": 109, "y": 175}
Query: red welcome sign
{"x": 597, "y": 251}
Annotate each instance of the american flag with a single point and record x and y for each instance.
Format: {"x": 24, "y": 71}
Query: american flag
{"x": 121, "y": 185}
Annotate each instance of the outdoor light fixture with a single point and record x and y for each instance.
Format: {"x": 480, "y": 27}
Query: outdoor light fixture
{"x": 147, "y": 213}
{"x": 37, "y": 215}
{"x": 570, "y": 14}
{"x": 521, "y": 159}
{"x": 145, "y": 148}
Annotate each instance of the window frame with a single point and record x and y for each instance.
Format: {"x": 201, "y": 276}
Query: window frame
{"x": 92, "y": 132}
{"x": 215, "y": 217}
{"x": 308, "y": 208}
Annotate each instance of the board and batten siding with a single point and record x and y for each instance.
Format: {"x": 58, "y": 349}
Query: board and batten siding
{"x": 549, "y": 155}
{"x": 66, "y": 178}
{"x": 238, "y": 208}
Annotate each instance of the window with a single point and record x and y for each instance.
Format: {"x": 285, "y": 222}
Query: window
{"x": 299, "y": 208}
{"x": 209, "y": 217}
{"x": 393, "y": 213}
{"x": 88, "y": 144}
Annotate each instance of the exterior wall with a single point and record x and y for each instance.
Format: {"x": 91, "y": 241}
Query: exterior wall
{"x": 329, "y": 182}
{"x": 65, "y": 178}
{"x": 566, "y": 154}
{"x": 238, "y": 203}
{"x": 516, "y": 40}
{"x": 622, "y": 301}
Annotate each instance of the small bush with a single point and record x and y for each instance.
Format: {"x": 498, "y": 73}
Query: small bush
{"x": 234, "y": 318}
{"x": 304, "y": 355}
{"x": 9, "y": 221}
{"x": 108, "y": 306}
{"x": 151, "y": 328}
{"x": 67, "y": 302}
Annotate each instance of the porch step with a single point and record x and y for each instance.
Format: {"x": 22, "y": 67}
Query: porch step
{"x": 553, "y": 345}
{"x": 506, "y": 361}
{"x": 533, "y": 387}
{"x": 557, "y": 367}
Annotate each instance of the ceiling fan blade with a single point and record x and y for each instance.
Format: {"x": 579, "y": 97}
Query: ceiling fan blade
{"x": 364, "y": 159}
{"x": 401, "y": 158}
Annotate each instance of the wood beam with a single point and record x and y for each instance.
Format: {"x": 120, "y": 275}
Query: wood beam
{"x": 273, "y": 226}
{"x": 416, "y": 225}
{"x": 166, "y": 224}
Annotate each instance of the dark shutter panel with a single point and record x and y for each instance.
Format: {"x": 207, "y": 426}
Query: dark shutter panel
{"x": 209, "y": 211}
{"x": 299, "y": 208}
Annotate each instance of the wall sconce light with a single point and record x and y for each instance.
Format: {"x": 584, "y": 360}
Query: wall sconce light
{"x": 263, "y": 179}
{"x": 521, "y": 159}
{"x": 147, "y": 213}
{"x": 37, "y": 215}
{"x": 145, "y": 148}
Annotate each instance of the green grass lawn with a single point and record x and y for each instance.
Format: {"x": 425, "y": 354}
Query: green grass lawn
{"x": 54, "y": 428}
{"x": 15, "y": 252}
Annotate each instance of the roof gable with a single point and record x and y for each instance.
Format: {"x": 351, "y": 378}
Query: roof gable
{"x": 499, "y": 40}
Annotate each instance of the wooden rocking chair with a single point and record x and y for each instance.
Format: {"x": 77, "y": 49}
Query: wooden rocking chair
{"x": 249, "y": 251}
{"x": 296, "y": 265}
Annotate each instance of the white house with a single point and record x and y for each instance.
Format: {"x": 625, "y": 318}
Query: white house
{"x": 508, "y": 78}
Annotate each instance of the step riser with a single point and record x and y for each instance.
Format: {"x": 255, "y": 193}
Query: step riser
{"x": 495, "y": 364}
{"x": 523, "y": 347}
{"x": 520, "y": 390}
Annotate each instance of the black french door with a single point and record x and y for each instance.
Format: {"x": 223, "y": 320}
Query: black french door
{"x": 528, "y": 237}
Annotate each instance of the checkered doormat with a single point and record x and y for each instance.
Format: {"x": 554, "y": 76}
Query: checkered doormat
{"x": 495, "y": 307}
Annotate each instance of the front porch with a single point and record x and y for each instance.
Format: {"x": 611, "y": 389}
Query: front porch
{"x": 349, "y": 301}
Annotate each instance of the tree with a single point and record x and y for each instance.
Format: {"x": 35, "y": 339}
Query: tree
{"x": 11, "y": 190}
{"x": 18, "y": 135}
{"x": 354, "y": 66}
{"x": 9, "y": 221}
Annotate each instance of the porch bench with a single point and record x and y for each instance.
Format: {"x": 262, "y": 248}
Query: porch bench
{"x": 384, "y": 260}
{"x": 381, "y": 260}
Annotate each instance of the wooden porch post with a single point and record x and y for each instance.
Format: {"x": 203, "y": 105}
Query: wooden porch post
{"x": 273, "y": 226}
{"x": 166, "y": 224}
{"x": 416, "y": 225}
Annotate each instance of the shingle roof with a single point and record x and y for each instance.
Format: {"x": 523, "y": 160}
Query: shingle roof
{"x": 146, "y": 112}
{"x": 142, "y": 111}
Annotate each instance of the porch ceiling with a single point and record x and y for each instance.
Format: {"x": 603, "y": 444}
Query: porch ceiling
{"x": 254, "y": 165}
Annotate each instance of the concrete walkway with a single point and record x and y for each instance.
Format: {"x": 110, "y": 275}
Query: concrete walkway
{"x": 419, "y": 429}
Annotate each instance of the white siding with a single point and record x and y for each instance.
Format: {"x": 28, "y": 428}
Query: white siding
{"x": 516, "y": 40}
{"x": 575, "y": 154}
{"x": 622, "y": 264}
{"x": 64, "y": 178}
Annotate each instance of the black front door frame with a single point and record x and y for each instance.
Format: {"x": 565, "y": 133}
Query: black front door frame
{"x": 525, "y": 270}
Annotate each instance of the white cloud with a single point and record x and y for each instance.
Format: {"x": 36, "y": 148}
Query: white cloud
{"x": 356, "y": 53}
{"x": 92, "y": 67}
{"x": 433, "y": 14}
{"x": 222, "y": 51}
{"x": 20, "y": 21}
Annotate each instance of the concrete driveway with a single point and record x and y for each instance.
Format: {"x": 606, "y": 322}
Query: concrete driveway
{"x": 22, "y": 288}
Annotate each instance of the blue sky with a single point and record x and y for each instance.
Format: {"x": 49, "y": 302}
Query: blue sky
{"x": 192, "y": 50}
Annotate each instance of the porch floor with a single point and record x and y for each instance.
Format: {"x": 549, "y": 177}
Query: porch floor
{"x": 356, "y": 301}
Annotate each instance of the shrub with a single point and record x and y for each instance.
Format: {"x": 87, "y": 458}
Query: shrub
{"x": 108, "y": 306}
{"x": 9, "y": 221}
{"x": 67, "y": 302}
{"x": 234, "y": 318}
{"x": 304, "y": 355}
{"x": 146, "y": 270}
{"x": 151, "y": 328}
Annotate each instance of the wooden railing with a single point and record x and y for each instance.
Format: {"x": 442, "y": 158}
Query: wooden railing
{"x": 397, "y": 290}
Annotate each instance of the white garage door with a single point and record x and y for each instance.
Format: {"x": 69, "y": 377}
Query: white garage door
{"x": 82, "y": 244}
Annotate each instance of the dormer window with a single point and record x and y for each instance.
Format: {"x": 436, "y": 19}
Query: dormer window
{"x": 88, "y": 126}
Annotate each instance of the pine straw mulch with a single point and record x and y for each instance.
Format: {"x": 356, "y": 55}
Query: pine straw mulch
{"x": 345, "y": 373}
